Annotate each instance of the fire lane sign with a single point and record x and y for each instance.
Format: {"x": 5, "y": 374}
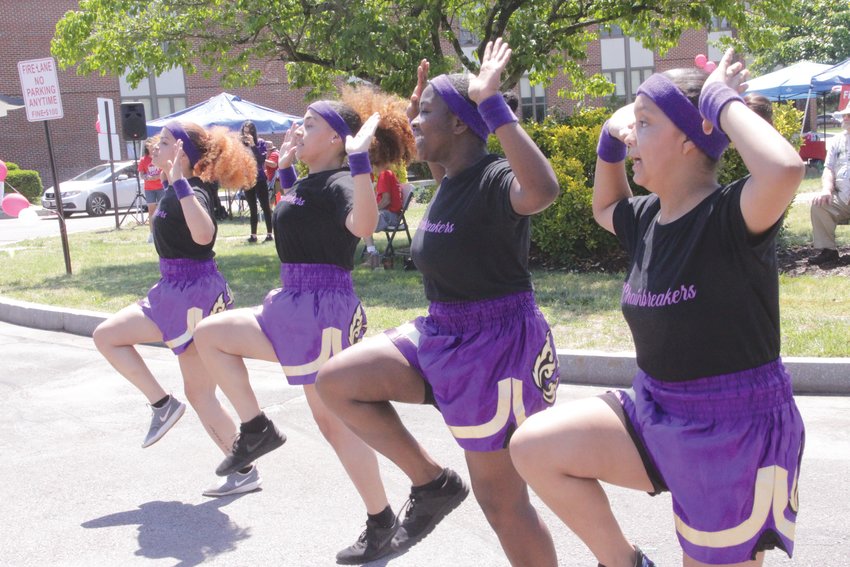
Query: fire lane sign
{"x": 40, "y": 89}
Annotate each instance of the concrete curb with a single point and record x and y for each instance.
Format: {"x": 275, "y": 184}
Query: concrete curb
{"x": 811, "y": 375}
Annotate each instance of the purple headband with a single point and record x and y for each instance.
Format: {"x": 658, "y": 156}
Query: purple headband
{"x": 684, "y": 114}
{"x": 189, "y": 147}
{"x": 459, "y": 106}
{"x": 332, "y": 117}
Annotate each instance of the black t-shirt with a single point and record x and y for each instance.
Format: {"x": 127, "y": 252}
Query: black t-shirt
{"x": 171, "y": 235}
{"x": 702, "y": 295}
{"x": 471, "y": 245}
{"x": 309, "y": 221}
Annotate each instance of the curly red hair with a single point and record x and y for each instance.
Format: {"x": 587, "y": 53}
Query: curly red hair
{"x": 393, "y": 141}
{"x": 224, "y": 158}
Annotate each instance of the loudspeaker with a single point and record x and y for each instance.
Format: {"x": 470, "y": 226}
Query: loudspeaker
{"x": 133, "y": 125}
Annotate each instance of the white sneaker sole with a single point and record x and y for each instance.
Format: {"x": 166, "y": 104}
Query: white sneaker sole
{"x": 247, "y": 487}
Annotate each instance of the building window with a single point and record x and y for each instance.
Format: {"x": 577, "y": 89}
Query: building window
{"x": 638, "y": 76}
{"x": 626, "y": 64}
{"x": 611, "y": 30}
{"x": 532, "y": 100}
{"x": 161, "y": 95}
{"x": 720, "y": 24}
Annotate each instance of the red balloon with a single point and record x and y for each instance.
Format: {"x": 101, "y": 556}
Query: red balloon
{"x": 14, "y": 203}
{"x": 700, "y": 60}
{"x": 97, "y": 125}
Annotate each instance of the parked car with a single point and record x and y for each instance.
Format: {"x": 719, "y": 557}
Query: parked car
{"x": 828, "y": 120}
{"x": 91, "y": 191}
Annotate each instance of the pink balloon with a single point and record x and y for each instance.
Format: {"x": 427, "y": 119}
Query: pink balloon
{"x": 14, "y": 203}
{"x": 700, "y": 60}
{"x": 3, "y": 170}
{"x": 710, "y": 67}
{"x": 97, "y": 125}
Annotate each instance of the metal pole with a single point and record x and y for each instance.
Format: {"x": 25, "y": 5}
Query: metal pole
{"x": 57, "y": 193}
{"x": 111, "y": 163}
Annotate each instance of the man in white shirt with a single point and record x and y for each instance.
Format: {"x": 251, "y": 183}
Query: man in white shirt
{"x": 832, "y": 206}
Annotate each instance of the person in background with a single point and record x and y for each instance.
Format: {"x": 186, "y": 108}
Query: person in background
{"x": 761, "y": 105}
{"x": 271, "y": 172}
{"x": 832, "y": 206}
{"x": 260, "y": 191}
{"x": 152, "y": 183}
{"x": 388, "y": 195}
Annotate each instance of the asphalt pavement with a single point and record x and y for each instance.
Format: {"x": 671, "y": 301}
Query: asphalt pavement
{"x": 79, "y": 490}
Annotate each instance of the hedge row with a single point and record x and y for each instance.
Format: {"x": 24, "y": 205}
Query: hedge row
{"x": 27, "y": 182}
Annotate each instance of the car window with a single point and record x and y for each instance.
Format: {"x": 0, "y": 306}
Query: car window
{"x": 96, "y": 171}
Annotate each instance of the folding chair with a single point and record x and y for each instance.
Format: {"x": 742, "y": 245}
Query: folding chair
{"x": 400, "y": 226}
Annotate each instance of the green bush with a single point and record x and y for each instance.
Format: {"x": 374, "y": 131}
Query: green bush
{"x": 27, "y": 182}
{"x": 566, "y": 231}
{"x": 786, "y": 119}
{"x": 10, "y": 166}
{"x": 424, "y": 193}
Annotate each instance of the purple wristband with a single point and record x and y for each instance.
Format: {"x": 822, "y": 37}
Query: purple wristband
{"x": 609, "y": 148}
{"x": 287, "y": 176}
{"x": 359, "y": 163}
{"x": 496, "y": 112}
{"x": 182, "y": 188}
{"x": 713, "y": 98}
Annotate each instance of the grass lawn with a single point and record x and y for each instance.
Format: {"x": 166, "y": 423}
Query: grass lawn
{"x": 114, "y": 268}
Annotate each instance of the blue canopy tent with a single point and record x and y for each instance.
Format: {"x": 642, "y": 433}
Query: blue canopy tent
{"x": 230, "y": 111}
{"x": 790, "y": 83}
{"x": 836, "y": 75}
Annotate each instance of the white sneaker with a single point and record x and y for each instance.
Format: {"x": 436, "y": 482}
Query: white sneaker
{"x": 236, "y": 483}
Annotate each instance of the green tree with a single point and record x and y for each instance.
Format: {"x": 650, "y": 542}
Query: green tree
{"x": 819, "y": 31}
{"x": 378, "y": 40}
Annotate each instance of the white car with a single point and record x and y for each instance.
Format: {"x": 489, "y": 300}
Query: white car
{"x": 91, "y": 191}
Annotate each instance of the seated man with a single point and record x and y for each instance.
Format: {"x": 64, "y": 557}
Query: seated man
{"x": 388, "y": 194}
{"x": 832, "y": 206}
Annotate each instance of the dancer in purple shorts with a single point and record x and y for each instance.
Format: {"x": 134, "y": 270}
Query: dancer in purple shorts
{"x": 710, "y": 415}
{"x": 484, "y": 355}
{"x": 316, "y": 313}
{"x": 191, "y": 287}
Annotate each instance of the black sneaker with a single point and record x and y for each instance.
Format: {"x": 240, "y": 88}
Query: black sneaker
{"x": 249, "y": 447}
{"x": 826, "y": 256}
{"x": 426, "y": 508}
{"x": 373, "y": 543}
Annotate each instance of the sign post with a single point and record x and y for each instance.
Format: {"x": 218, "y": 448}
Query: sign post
{"x": 40, "y": 88}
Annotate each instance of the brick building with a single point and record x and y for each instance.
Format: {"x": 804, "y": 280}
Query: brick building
{"x": 27, "y": 35}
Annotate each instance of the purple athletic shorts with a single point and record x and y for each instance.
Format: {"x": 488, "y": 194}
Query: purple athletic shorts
{"x": 187, "y": 291}
{"x": 312, "y": 317}
{"x": 728, "y": 448}
{"x": 489, "y": 364}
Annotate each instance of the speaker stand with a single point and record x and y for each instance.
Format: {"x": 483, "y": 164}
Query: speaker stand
{"x": 139, "y": 206}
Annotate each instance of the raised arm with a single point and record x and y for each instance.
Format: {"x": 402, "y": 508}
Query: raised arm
{"x": 198, "y": 219}
{"x": 610, "y": 184}
{"x": 536, "y": 186}
{"x": 363, "y": 218}
{"x": 775, "y": 167}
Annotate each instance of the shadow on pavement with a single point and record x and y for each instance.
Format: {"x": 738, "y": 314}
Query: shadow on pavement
{"x": 188, "y": 533}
